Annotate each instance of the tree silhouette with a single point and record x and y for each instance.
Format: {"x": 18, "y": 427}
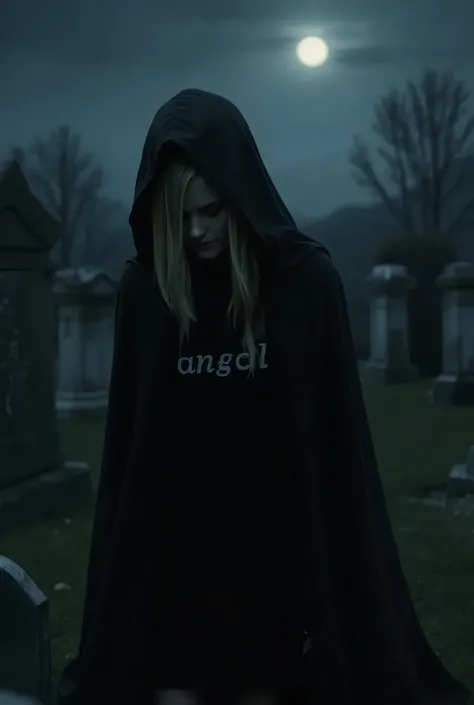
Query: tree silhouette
{"x": 425, "y": 133}
{"x": 99, "y": 228}
{"x": 65, "y": 178}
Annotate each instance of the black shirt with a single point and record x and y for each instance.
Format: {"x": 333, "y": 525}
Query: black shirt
{"x": 234, "y": 490}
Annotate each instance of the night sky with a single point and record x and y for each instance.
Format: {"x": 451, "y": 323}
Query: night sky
{"x": 105, "y": 66}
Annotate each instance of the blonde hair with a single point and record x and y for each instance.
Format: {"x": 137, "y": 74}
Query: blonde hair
{"x": 172, "y": 267}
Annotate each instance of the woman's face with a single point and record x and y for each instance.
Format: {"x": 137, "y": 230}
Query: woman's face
{"x": 204, "y": 220}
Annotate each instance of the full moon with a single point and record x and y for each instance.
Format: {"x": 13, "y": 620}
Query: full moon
{"x": 312, "y": 51}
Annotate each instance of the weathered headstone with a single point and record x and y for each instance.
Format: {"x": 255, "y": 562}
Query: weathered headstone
{"x": 455, "y": 385}
{"x": 389, "y": 360}
{"x": 461, "y": 477}
{"x": 33, "y": 478}
{"x": 25, "y": 649}
{"x": 85, "y": 300}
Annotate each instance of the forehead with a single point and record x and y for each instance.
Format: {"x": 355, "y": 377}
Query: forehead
{"x": 198, "y": 194}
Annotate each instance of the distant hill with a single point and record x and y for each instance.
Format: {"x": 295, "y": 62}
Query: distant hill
{"x": 354, "y": 235}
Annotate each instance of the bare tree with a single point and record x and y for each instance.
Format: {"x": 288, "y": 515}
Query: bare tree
{"x": 425, "y": 133}
{"x": 65, "y": 178}
{"x": 98, "y": 228}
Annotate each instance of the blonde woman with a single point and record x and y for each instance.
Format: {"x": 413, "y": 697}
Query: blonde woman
{"x": 241, "y": 550}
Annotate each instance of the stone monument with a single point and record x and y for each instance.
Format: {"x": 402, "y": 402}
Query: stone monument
{"x": 389, "y": 360}
{"x": 461, "y": 477}
{"x": 85, "y": 302}
{"x": 455, "y": 385}
{"x": 25, "y": 649}
{"x": 33, "y": 478}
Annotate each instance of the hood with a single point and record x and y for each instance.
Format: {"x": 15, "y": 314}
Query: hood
{"x": 218, "y": 142}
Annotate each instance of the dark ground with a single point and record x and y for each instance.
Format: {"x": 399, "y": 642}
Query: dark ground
{"x": 416, "y": 445}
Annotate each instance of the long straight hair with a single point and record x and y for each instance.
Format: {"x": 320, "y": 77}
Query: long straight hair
{"x": 172, "y": 267}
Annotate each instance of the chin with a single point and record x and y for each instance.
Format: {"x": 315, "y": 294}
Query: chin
{"x": 210, "y": 254}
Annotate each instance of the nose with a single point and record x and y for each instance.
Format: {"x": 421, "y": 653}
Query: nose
{"x": 196, "y": 228}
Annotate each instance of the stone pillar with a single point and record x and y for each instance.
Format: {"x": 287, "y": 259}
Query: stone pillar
{"x": 455, "y": 385}
{"x": 85, "y": 301}
{"x": 389, "y": 360}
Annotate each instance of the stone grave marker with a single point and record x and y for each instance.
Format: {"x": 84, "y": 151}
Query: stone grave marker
{"x": 461, "y": 477}
{"x": 33, "y": 477}
{"x": 455, "y": 385}
{"x": 389, "y": 360}
{"x": 85, "y": 301}
{"x": 25, "y": 651}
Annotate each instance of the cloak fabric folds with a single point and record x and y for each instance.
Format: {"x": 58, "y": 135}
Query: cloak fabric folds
{"x": 368, "y": 646}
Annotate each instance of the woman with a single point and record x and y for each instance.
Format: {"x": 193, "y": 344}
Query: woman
{"x": 241, "y": 547}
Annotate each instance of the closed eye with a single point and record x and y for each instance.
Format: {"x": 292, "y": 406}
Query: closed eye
{"x": 210, "y": 211}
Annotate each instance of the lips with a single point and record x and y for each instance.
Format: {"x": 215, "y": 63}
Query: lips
{"x": 205, "y": 245}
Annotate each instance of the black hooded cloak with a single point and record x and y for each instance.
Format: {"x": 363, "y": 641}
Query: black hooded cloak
{"x": 370, "y": 647}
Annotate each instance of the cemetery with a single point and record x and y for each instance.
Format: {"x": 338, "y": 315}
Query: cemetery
{"x": 56, "y": 340}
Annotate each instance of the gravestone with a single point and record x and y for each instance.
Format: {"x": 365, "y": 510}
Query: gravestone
{"x": 455, "y": 385}
{"x": 389, "y": 360}
{"x": 85, "y": 302}
{"x": 25, "y": 649}
{"x": 33, "y": 478}
{"x": 461, "y": 477}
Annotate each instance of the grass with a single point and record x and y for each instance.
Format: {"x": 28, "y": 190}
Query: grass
{"x": 416, "y": 445}
{"x": 56, "y": 549}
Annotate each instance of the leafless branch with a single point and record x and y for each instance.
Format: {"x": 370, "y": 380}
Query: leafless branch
{"x": 425, "y": 133}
